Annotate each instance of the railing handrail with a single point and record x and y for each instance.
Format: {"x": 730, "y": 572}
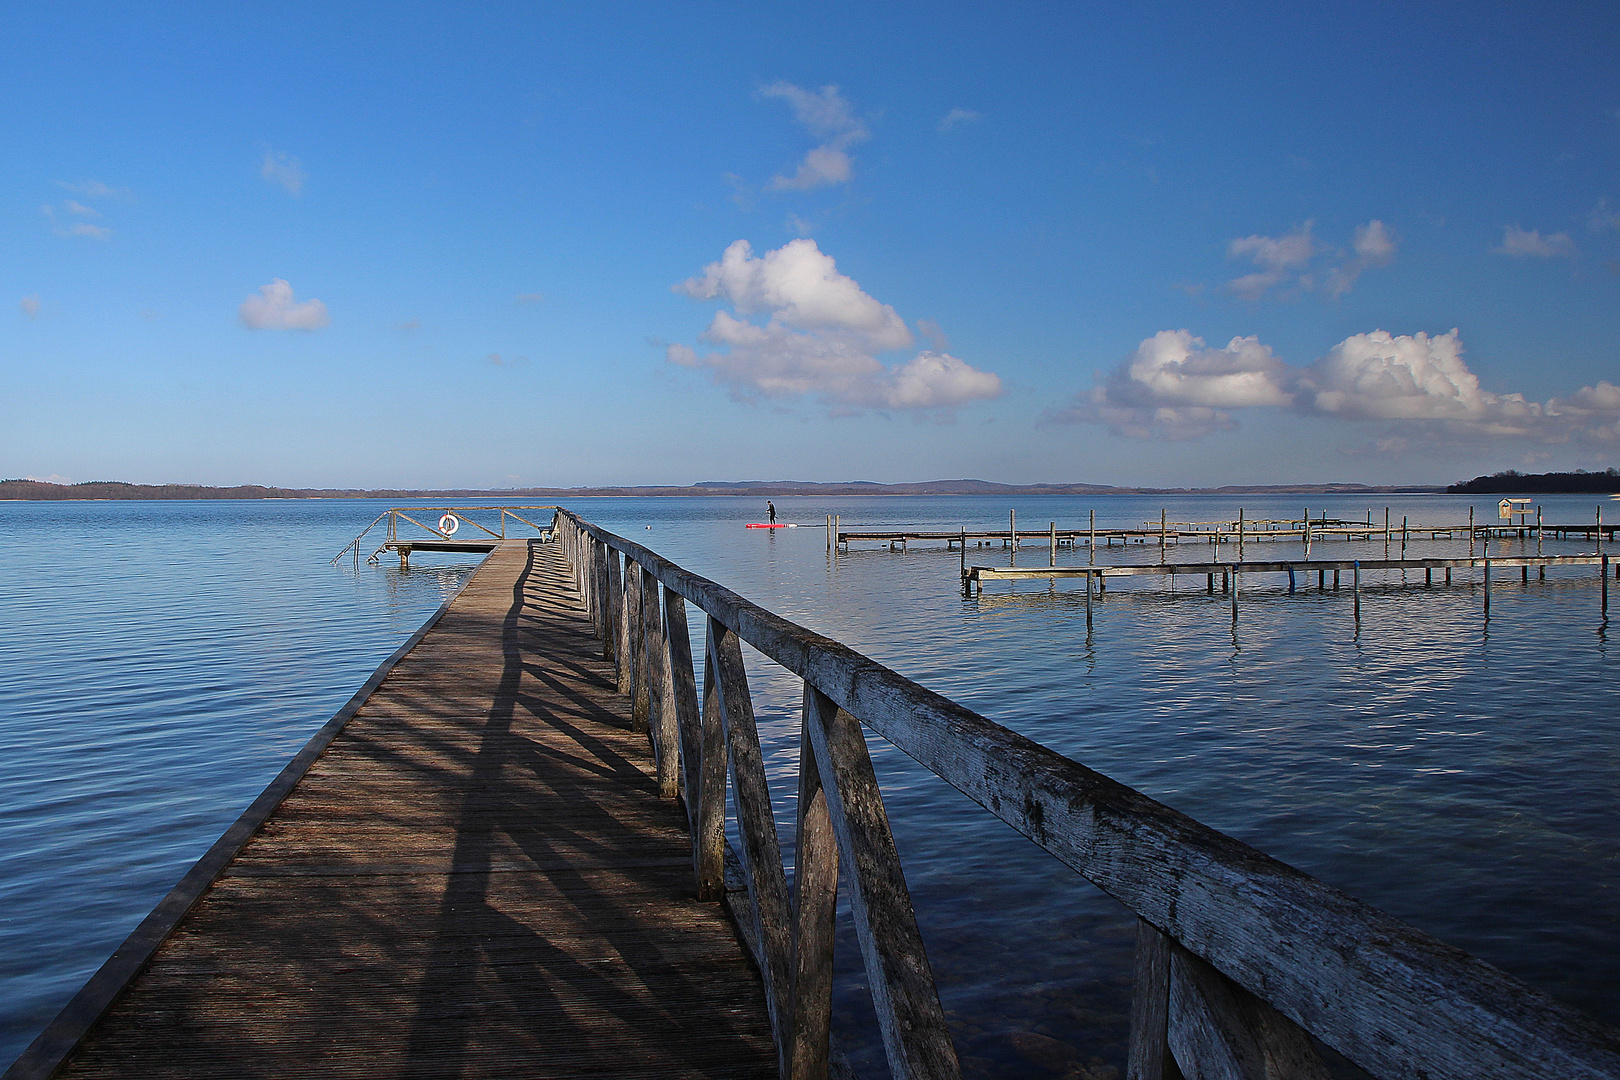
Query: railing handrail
{"x": 1389, "y": 997}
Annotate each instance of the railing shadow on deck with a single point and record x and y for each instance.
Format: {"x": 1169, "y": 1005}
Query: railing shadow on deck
{"x": 1240, "y": 958}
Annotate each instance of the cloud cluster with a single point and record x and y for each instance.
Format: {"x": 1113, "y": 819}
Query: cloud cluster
{"x": 66, "y": 219}
{"x": 820, "y": 337}
{"x": 68, "y": 227}
{"x": 830, "y": 118}
{"x": 956, "y": 117}
{"x": 285, "y": 170}
{"x": 1175, "y": 387}
{"x": 276, "y": 309}
{"x": 1298, "y": 261}
{"x": 1529, "y": 243}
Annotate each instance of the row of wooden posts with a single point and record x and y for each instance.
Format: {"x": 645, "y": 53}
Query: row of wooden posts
{"x": 1238, "y": 956}
{"x": 1242, "y": 529}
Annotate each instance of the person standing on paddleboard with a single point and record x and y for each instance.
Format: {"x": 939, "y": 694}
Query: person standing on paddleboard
{"x": 770, "y": 512}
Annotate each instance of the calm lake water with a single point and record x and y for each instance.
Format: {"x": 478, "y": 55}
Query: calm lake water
{"x": 159, "y": 662}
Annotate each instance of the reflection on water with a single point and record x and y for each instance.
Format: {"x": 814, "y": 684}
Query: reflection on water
{"x": 161, "y": 661}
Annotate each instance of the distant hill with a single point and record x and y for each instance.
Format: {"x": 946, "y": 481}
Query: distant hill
{"x": 40, "y": 490}
{"x": 1579, "y": 482}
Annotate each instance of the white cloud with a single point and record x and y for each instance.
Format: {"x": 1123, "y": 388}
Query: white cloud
{"x": 283, "y": 169}
{"x": 1297, "y": 260}
{"x": 1530, "y": 243}
{"x": 530, "y": 298}
{"x": 956, "y": 117}
{"x": 1594, "y": 410}
{"x": 935, "y": 380}
{"x": 1374, "y": 244}
{"x": 823, "y": 165}
{"x": 74, "y": 228}
{"x": 1603, "y": 217}
{"x": 29, "y": 305}
{"x": 801, "y": 287}
{"x": 1382, "y": 376}
{"x": 1173, "y": 387}
{"x": 821, "y": 337}
{"x": 829, "y": 117}
{"x": 275, "y": 309}
{"x": 934, "y": 334}
{"x": 93, "y": 189}
{"x": 1276, "y": 256}
{"x": 80, "y": 209}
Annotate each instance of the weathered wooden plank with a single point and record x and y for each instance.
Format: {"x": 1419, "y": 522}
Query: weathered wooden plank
{"x": 915, "y": 1036}
{"x": 636, "y": 629}
{"x": 815, "y": 906}
{"x": 756, "y": 827}
{"x": 689, "y": 732}
{"x": 1149, "y": 1056}
{"x": 710, "y": 839}
{"x": 621, "y": 624}
{"x": 660, "y": 691}
{"x": 1222, "y": 1032}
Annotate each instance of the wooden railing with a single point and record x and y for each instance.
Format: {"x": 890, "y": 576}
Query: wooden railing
{"x": 1240, "y": 959}
{"x": 461, "y": 515}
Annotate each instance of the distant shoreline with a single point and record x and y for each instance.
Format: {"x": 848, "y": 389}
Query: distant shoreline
{"x": 118, "y": 491}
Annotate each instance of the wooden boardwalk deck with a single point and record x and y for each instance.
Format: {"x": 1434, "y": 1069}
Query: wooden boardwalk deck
{"x": 476, "y": 878}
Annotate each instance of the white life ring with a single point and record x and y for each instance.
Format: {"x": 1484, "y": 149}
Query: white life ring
{"x": 449, "y": 524}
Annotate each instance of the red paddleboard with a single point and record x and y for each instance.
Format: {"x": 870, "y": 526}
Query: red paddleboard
{"x": 759, "y": 525}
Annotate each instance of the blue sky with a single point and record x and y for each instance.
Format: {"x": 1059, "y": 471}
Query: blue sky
{"x": 512, "y": 245}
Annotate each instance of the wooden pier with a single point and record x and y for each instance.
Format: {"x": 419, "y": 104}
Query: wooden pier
{"x": 977, "y": 575}
{"x": 440, "y": 537}
{"x": 475, "y": 877}
{"x": 1302, "y": 530}
{"x": 472, "y": 872}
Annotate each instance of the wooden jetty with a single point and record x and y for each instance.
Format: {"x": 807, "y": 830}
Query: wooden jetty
{"x": 470, "y": 872}
{"x": 440, "y": 537}
{"x": 1304, "y": 530}
{"x": 391, "y": 916}
{"x": 975, "y": 576}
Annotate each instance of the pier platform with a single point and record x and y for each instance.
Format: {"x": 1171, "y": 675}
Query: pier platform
{"x": 1278, "y": 566}
{"x": 472, "y": 876}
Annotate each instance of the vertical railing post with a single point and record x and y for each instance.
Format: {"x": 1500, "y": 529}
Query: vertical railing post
{"x": 915, "y": 1036}
{"x": 815, "y": 905}
{"x": 635, "y": 657}
{"x": 756, "y": 830}
{"x": 621, "y": 625}
{"x": 604, "y": 601}
{"x": 710, "y": 840}
{"x": 1149, "y": 1055}
{"x": 684, "y": 704}
{"x": 660, "y": 691}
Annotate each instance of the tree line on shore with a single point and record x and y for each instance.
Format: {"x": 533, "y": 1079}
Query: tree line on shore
{"x": 1511, "y": 481}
